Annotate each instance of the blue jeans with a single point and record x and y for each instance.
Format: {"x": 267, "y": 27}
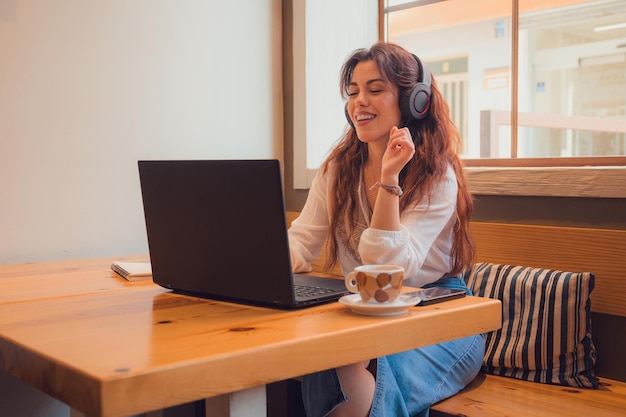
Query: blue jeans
{"x": 407, "y": 383}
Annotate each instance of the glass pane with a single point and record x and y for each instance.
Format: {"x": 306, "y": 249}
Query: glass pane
{"x": 467, "y": 46}
{"x": 571, "y": 93}
{"x": 574, "y": 90}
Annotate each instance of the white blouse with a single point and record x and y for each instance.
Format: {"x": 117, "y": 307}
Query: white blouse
{"x": 423, "y": 246}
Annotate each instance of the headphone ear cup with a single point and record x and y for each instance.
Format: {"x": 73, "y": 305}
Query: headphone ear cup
{"x": 419, "y": 101}
{"x": 345, "y": 109}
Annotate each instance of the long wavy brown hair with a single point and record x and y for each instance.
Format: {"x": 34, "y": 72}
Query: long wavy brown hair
{"x": 437, "y": 141}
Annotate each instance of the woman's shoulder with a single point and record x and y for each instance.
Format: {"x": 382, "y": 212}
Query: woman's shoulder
{"x": 450, "y": 174}
{"x": 324, "y": 176}
{"x": 328, "y": 169}
{"x": 446, "y": 187}
{"x": 449, "y": 180}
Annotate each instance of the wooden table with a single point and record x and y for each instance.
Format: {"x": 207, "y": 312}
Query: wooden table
{"x": 34, "y": 281}
{"x": 119, "y": 349}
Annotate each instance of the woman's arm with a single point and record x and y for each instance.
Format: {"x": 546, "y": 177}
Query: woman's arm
{"x": 399, "y": 151}
{"x": 423, "y": 243}
{"x": 309, "y": 231}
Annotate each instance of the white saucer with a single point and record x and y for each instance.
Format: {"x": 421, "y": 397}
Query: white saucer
{"x": 358, "y": 306}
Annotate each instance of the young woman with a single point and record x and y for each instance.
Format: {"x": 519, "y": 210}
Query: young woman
{"x": 392, "y": 191}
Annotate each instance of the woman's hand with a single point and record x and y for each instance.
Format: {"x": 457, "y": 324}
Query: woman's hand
{"x": 400, "y": 150}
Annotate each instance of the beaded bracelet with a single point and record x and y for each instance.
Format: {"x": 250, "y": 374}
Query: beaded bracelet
{"x": 391, "y": 189}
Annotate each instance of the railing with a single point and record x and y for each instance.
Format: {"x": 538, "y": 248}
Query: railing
{"x": 491, "y": 120}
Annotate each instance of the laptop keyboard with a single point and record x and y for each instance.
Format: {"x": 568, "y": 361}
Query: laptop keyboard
{"x": 306, "y": 291}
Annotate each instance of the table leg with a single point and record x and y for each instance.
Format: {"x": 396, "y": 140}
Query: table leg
{"x": 250, "y": 402}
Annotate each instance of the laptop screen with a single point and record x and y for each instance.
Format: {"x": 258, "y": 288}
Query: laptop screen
{"x": 217, "y": 228}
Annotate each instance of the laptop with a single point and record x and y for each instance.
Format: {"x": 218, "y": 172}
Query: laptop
{"x": 217, "y": 229}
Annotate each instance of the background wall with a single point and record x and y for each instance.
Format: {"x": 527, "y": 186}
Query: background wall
{"x": 89, "y": 87}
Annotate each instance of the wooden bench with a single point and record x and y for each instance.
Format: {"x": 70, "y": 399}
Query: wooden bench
{"x": 600, "y": 251}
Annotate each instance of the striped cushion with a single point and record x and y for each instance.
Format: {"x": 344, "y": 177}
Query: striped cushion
{"x": 546, "y": 325}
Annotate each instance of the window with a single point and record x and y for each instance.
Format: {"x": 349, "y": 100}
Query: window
{"x": 325, "y": 32}
{"x": 530, "y": 83}
{"x": 549, "y": 83}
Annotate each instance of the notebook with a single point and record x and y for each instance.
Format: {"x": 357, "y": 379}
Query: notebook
{"x": 217, "y": 229}
{"x": 133, "y": 271}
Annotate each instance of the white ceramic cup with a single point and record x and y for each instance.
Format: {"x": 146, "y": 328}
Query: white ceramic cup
{"x": 376, "y": 283}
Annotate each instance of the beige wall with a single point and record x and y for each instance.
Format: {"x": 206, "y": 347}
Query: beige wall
{"x": 89, "y": 87}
